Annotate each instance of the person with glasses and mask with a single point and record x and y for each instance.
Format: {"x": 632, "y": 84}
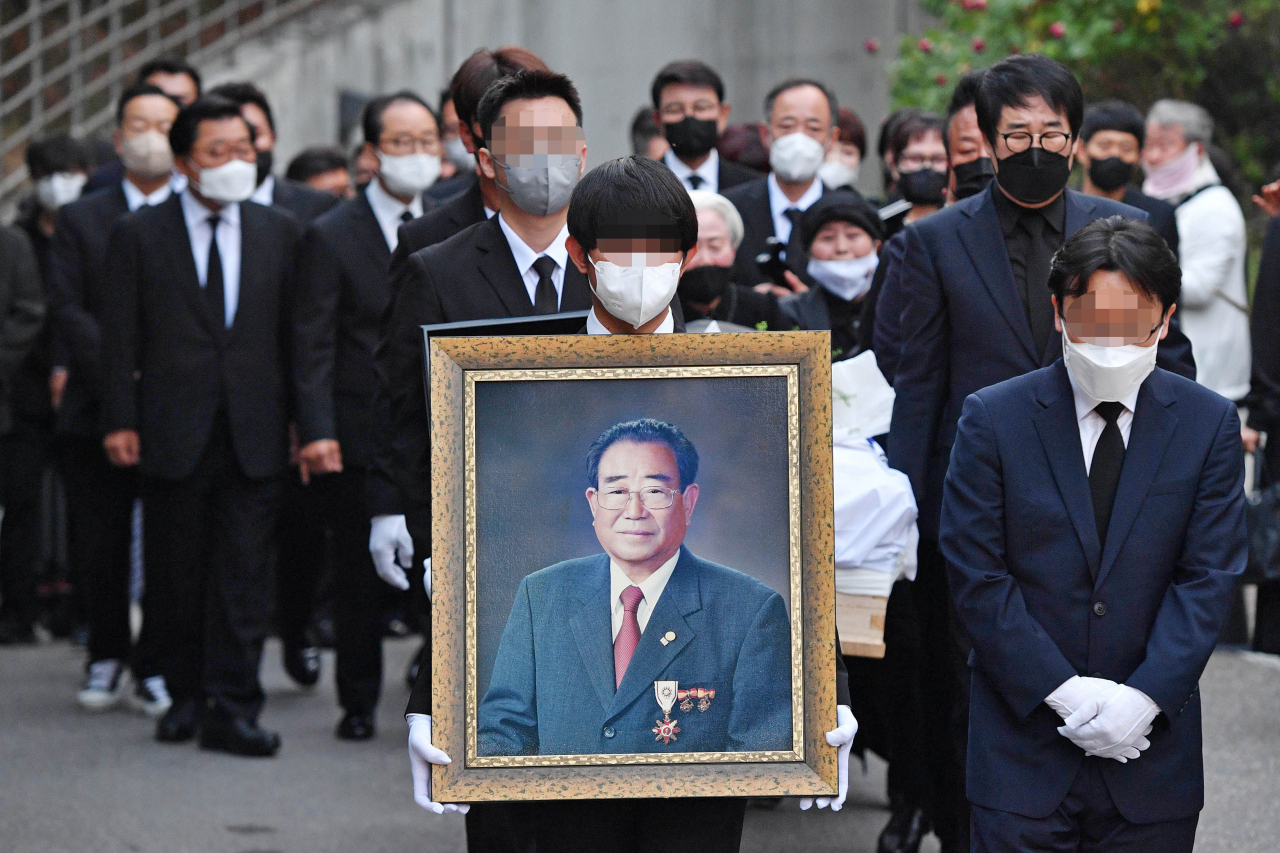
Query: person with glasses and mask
{"x": 688, "y": 102}
{"x": 1093, "y": 522}
{"x": 976, "y": 311}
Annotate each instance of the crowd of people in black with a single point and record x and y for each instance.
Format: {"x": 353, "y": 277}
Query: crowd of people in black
{"x": 224, "y": 367}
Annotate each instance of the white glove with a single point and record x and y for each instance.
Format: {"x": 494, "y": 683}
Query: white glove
{"x": 841, "y": 737}
{"x": 1075, "y": 691}
{"x": 1113, "y": 725}
{"x": 391, "y": 548}
{"x": 421, "y": 755}
{"x": 426, "y": 575}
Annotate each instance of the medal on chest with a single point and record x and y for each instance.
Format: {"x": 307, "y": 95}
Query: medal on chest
{"x": 666, "y": 693}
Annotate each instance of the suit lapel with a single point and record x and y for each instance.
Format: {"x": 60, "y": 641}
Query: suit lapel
{"x": 1153, "y": 426}
{"x": 1059, "y": 432}
{"x": 182, "y": 260}
{"x": 498, "y": 267}
{"x": 1080, "y": 209}
{"x": 978, "y": 235}
{"x": 593, "y": 623}
{"x": 368, "y": 233}
{"x": 252, "y": 262}
{"x": 577, "y": 291}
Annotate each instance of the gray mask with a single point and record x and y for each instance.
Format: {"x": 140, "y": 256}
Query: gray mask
{"x": 542, "y": 190}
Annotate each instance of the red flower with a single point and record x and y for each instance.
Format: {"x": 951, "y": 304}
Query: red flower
{"x": 1235, "y": 20}
{"x": 871, "y": 45}
{"x": 1058, "y": 30}
{"x": 1013, "y": 48}
{"x": 925, "y": 46}
{"x": 1117, "y": 26}
{"x": 974, "y": 5}
{"x": 979, "y": 45}
{"x": 941, "y": 79}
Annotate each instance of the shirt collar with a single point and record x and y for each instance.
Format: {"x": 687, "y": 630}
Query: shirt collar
{"x": 1011, "y": 213}
{"x": 387, "y": 207}
{"x": 524, "y": 256}
{"x": 1086, "y": 404}
{"x": 134, "y": 197}
{"x": 708, "y": 171}
{"x": 651, "y": 586}
{"x": 595, "y": 327}
{"x": 265, "y": 194}
{"x": 196, "y": 213}
{"x": 779, "y": 202}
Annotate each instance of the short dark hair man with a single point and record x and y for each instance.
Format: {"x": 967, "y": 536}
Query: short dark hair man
{"x": 689, "y": 105}
{"x": 322, "y": 168}
{"x": 175, "y": 77}
{"x": 1094, "y": 584}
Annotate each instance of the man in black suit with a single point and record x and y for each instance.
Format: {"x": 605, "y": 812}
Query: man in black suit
{"x": 1110, "y": 150}
{"x": 688, "y": 102}
{"x": 99, "y": 495}
{"x": 196, "y": 394}
{"x": 801, "y": 117}
{"x": 976, "y": 311}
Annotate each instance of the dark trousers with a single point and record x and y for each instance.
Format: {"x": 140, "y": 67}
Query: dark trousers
{"x": 639, "y": 826}
{"x": 500, "y": 827}
{"x": 1087, "y": 821}
{"x": 23, "y": 456}
{"x": 100, "y": 500}
{"x": 1266, "y": 628}
{"x": 207, "y": 540}
{"x": 335, "y": 503}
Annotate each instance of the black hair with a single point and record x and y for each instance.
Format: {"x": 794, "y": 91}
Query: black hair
{"x": 912, "y": 127}
{"x": 851, "y": 130}
{"x": 57, "y": 153}
{"x": 525, "y": 86}
{"x": 645, "y": 431}
{"x": 632, "y": 197}
{"x": 170, "y": 65}
{"x": 643, "y": 128}
{"x": 890, "y": 124}
{"x": 246, "y": 93}
{"x": 186, "y": 127}
{"x": 315, "y": 161}
{"x": 478, "y": 71}
{"x": 965, "y": 94}
{"x": 371, "y": 118}
{"x": 1114, "y": 114}
{"x": 688, "y": 71}
{"x": 138, "y": 90}
{"x": 1014, "y": 80}
{"x": 839, "y": 206}
{"x": 1128, "y": 246}
{"x": 796, "y": 83}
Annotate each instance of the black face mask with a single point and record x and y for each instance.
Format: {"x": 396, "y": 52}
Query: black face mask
{"x": 704, "y": 284}
{"x": 1034, "y": 176}
{"x": 1110, "y": 174}
{"x": 973, "y": 177}
{"x": 264, "y": 165}
{"x": 923, "y": 186}
{"x": 691, "y": 137}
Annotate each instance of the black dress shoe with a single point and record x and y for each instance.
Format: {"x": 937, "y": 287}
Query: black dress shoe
{"x": 179, "y": 723}
{"x": 906, "y": 829}
{"x": 238, "y": 736}
{"x": 302, "y": 663}
{"x": 355, "y": 727}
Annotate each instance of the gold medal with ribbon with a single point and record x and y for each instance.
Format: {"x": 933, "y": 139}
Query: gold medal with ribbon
{"x": 701, "y": 695}
{"x": 667, "y": 693}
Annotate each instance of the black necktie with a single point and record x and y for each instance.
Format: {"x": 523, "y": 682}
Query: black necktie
{"x": 795, "y": 247}
{"x": 214, "y": 297}
{"x": 1039, "y": 308}
{"x": 544, "y": 298}
{"x": 1104, "y": 470}
{"x": 696, "y": 181}
{"x": 406, "y": 216}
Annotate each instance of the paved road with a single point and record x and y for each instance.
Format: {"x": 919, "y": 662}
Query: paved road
{"x": 75, "y": 783}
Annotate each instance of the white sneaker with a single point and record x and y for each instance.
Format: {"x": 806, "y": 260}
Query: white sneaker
{"x": 103, "y": 687}
{"x": 151, "y": 697}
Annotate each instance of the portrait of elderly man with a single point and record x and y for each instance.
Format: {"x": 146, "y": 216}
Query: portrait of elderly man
{"x": 645, "y": 647}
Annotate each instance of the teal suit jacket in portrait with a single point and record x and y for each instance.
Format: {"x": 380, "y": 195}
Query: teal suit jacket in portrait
{"x": 552, "y": 690}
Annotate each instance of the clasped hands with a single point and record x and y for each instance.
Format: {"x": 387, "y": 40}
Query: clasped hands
{"x": 1104, "y": 718}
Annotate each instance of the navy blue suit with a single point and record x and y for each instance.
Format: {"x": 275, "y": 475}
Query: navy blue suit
{"x": 1019, "y": 537}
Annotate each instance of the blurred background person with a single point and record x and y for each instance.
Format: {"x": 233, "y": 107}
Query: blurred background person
{"x": 744, "y": 144}
{"x": 688, "y": 100}
{"x": 646, "y": 137}
{"x": 919, "y": 167}
{"x": 888, "y": 127}
{"x": 323, "y": 168}
{"x": 844, "y": 160}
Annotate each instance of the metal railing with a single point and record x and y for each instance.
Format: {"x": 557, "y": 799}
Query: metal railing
{"x": 63, "y": 63}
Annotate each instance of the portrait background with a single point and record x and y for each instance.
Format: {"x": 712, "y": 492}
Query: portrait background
{"x": 530, "y": 452}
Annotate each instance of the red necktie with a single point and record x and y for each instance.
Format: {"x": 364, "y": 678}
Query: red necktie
{"x": 624, "y": 645}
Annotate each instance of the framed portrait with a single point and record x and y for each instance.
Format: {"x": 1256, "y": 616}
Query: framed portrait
{"x": 632, "y": 571}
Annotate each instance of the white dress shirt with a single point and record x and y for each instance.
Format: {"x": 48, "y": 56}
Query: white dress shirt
{"x": 595, "y": 327}
{"x": 1091, "y": 423}
{"x": 651, "y": 586}
{"x": 708, "y": 171}
{"x": 779, "y": 204}
{"x": 135, "y": 198}
{"x": 201, "y": 236}
{"x": 524, "y": 257}
{"x": 265, "y": 194}
{"x": 389, "y": 211}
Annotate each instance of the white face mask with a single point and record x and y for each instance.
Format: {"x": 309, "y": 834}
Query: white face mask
{"x": 58, "y": 189}
{"x": 835, "y": 174}
{"x": 458, "y": 154}
{"x": 847, "y": 279}
{"x": 147, "y": 155}
{"x": 408, "y": 174}
{"x": 796, "y": 157}
{"x": 635, "y": 295}
{"x": 1108, "y": 374}
{"x": 234, "y": 180}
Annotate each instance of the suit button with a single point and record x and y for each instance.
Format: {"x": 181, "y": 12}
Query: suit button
{"x": 1099, "y": 609}
{"x": 609, "y": 732}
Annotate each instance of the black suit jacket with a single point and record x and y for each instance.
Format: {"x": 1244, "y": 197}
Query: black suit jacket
{"x": 302, "y": 202}
{"x": 1264, "y": 392}
{"x": 343, "y": 291}
{"x": 190, "y": 368}
{"x": 752, "y": 200}
{"x": 731, "y": 174}
{"x": 1163, "y": 216}
{"x": 22, "y": 313}
{"x": 78, "y": 300}
{"x": 438, "y": 225}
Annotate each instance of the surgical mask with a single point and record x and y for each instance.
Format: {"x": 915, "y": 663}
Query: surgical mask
{"x": 635, "y": 295}
{"x": 848, "y": 279}
{"x": 704, "y": 284}
{"x": 691, "y": 137}
{"x": 835, "y": 174}
{"x": 58, "y": 189}
{"x": 408, "y": 174}
{"x": 973, "y": 177}
{"x": 1110, "y": 173}
{"x": 1175, "y": 177}
{"x": 234, "y": 180}
{"x": 1034, "y": 176}
{"x": 1108, "y": 374}
{"x": 265, "y": 160}
{"x": 796, "y": 157}
{"x": 147, "y": 155}
{"x": 458, "y": 154}
{"x": 923, "y": 186}
{"x": 543, "y": 190}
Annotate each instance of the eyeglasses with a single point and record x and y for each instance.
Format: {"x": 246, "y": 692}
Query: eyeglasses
{"x": 675, "y": 111}
{"x": 1055, "y": 141}
{"x": 408, "y": 144}
{"x": 912, "y": 162}
{"x": 1112, "y": 334}
{"x": 653, "y": 497}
